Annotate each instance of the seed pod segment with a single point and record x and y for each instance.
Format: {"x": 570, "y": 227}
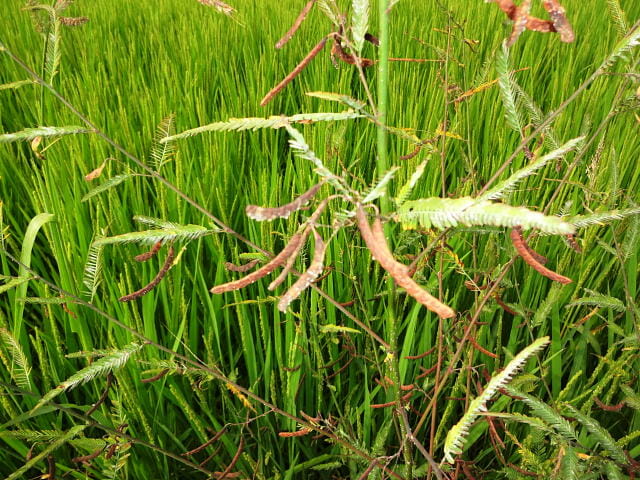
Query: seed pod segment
{"x": 263, "y": 271}
{"x": 523, "y": 251}
{"x": 269, "y": 213}
{"x": 168, "y": 263}
{"x": 308, "y": 277}
{"x": 377, "y": 244}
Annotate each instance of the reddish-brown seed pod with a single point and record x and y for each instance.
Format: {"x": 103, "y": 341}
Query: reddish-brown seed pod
{"x": 338, "y": 51}
{"x": 521, "y": 16}
{"x": 269, "y": 213}
{"x": 573, "y": 243}
{"x": 377, "y": 244}
{"x": 308, "y": 277}
{"x": 241, "y": 268}
{"x": 299, "y": 433}
{"x": 296, "y": 25}
{"x": 73, "y": 21}
{"x": 290, "y": 261}
{"x": 158, "y": 278}
{"x": 156, "y": 377}
{"x": 294, "y": 73}
{"x": 143, "y": 257}
{"x": 523, "y": 251}
{"x": 263, "y": 271}
{"x": 559, "y": 19}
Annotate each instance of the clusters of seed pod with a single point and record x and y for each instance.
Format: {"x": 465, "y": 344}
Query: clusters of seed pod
{"x": 287, "y": 257}
{"x": 534, "y": 259}
{"x": 377, "y": 244}
{"x": 523, "y": 21}
{"x": 166, "y": 266}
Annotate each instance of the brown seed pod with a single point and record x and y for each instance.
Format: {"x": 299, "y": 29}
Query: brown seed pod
{"x": 265, "y": 270}
{"x": 290, "y": 261}
{"x": 299, "y": 433}
{"x": 241, "y": 268}
{"x": 143, "y": 257}
{"x": 296, "y": 25}
{"x": 521, "y": 16}
{"x": 372, "y": 39}
{"x": 308, "y": 277}
{"x": 559, "y": 19}
{"x": 523, "y": 251}
{"x": 269, "y": 213}
{"x": 73, "y": 21}
{"x": 158, "y": 278}
{"x": 294, "y": 73}
{"x": 338, "y": 51}
{"x": 377, "y": 244}
{"x": 573, "y": 243}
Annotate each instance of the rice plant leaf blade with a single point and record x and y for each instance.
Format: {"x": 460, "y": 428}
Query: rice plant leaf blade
{"x": 29, "y": 134}
{"x": 455, "y": 440}
{"x": 112, "y": 182}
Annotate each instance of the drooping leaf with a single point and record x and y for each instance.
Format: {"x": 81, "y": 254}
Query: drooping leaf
{"x": 164, "y": 235}
{"x": 112, "y": 182}
{"x": 360, "y": 23}
{"x": 407, "y": 188}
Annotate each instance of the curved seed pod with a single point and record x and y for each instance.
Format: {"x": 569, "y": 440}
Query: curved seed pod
{"x": 241, "y": 268}
{"x": 73, "y": 21}
{"x": 347, "y": 57}
{"x": 269, "y": 213}
{"x": 143, "y": 257}
{"x": 521, "y": 16}
{"x": 559, "y": 19}
{"x": 158, "y": 278}
{"x": 263, "y": 271}
{"x": 290, "y": 261}
{"x": 377, "y": 244}
{"x": 296, "y": 25}
{"x": 294, "y": 73}
{"x": 523, "y": 251}
{"x": 308, "y": 277}
{"x": 573, "y": 243}
{"x": 538, "y": 258}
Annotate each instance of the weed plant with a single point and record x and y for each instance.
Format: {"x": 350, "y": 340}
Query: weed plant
{"x": 489, "y": 169}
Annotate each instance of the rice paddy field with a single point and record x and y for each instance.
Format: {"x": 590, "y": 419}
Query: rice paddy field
{"x": 117, "y": 368}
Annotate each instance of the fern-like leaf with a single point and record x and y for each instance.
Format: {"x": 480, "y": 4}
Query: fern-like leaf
{"x": 14, "y": 85}
{"x": 600, "y": 218}
{"x": 13, "y": 282}
{"x": 381, "y": 187}
{"x": 507, "y": 90}
{"x": 450, "y": 212}
{"x": 162, "y": 152}
{"x": 100, "y": 367}
{"x": 350, "y": 102}
{"x": 407, "y": 188}
{"x": 33, "y": 461}
{"x": 454, "y": 442}
{"x": 255, "y": 123}
{"x": 164, "y": 235}
{"x": 506, "y": 186}
{"x": 19, "y": 368}
{"x": 112, "y": 182}
{"x": 331, "y": 10}
{"x": 618, "y": 16}
{"x": 625, "y": 45}
{"x": 29, "y": 134}
{"x": 155, "y": 222}
{"x": 599, "y": 300}
{"x": 603, "y": 437}
{"x": 360, "y": 23}
{"x": 569, "y": 464}
{"x": 92, "y": 276}
{"x": 547, "y": 414}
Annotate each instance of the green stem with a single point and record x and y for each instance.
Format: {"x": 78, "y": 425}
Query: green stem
{"x": 383, "y": 95}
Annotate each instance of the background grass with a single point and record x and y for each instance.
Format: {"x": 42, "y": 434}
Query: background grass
{"x": 135, "y": 63}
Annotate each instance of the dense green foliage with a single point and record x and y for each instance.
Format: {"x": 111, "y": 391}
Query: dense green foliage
{"x": 136, "y": 63}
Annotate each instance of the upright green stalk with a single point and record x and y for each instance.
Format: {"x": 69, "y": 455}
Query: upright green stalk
{"x": 383, "y": 94}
